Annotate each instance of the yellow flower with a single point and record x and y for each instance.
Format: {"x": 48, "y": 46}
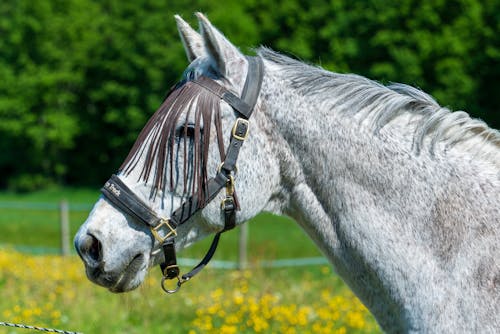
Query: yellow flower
{"x": 238, "y": 299}
{"x": 26, "y": 314}
{"x": 226, "y": 329}
{"x": 356, "y": 320}
{"x": 341, "y": 330}
{"x": 217, "y": 294}
{"x": 259, "y": 324}
{"x": 55, "y": 314}
{"x": 213, "y": 309}
{"x": 232, "y": 319}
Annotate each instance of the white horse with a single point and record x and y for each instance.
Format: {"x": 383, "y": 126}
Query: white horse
{"x": 400, "y": 194}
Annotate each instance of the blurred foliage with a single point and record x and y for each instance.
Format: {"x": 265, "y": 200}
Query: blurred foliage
{"x": 79, "y": 78}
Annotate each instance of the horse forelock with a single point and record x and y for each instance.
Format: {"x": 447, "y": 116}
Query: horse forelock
{"x": 182, "y": 124}
{"x": 433, "y": 124}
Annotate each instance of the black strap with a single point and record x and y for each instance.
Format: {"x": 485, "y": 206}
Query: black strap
{"x": 125, "y": 199}
{"x": 238, "y": 135}
{"x": 169, "y": 267}
{"x": 205, "y": 260}
{"x": 237, "y": 104}
{"x": 253, "y": 82}
{"x": 229, "y": 209}
{"x": 250, "y": 93}
{"x": 189, "y": 207}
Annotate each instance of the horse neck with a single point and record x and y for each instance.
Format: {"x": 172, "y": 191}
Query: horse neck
{"x": 369, "y": 203}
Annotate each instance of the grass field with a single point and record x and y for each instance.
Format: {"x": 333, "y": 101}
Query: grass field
{"x": 50, "y": 290}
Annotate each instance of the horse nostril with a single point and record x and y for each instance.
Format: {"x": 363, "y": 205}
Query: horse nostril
{"x": 90, "y": 249}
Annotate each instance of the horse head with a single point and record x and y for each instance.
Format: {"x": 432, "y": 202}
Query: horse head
{"x": 169, "y": 191}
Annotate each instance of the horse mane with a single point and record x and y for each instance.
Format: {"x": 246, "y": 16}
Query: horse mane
{"x": 354, "y": 93}
{"x": 170, "y": 131}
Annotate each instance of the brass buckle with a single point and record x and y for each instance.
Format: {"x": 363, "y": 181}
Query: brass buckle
{"x": 163, "y": 222}
{"x": 174, "y": 268}
{"x": 226, "y": 200}
{"x": 235, "y": 127}
{"x": 230, "y": 186}
{"x": 219, "y": 168}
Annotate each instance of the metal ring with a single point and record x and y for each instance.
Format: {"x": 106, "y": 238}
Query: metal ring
{"x": 171, "y": 291}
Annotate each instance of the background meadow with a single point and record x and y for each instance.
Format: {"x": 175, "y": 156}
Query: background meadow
{"x": 40, "y": 287}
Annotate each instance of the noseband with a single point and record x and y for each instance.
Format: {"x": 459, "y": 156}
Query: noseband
{"x": 164, "y": 229}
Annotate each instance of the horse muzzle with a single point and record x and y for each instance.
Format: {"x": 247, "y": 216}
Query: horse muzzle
{"x": 124, "y": 277}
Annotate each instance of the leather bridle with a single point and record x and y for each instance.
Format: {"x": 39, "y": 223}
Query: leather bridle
{"x": 164, "y": 229}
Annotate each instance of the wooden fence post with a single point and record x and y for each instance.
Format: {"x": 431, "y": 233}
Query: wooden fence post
{"x": 64, "y": 220}
{"x": 243, "y": 247}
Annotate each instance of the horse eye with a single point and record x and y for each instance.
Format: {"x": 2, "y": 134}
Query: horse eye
{"x": 186, "y": 130}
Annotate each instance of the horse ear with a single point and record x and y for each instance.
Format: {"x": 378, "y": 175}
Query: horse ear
{"x": 223, "y": 52}
{"x": 192, "y": 41}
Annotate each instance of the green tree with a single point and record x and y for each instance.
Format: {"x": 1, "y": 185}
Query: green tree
{"x": 79, "y": 78}
{"x": 38, "y": 89}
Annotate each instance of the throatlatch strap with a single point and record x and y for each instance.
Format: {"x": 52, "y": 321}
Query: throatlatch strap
{"x": 205, "y": 260}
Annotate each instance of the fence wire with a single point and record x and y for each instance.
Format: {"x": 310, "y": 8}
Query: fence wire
{"x": 36, "y": 328}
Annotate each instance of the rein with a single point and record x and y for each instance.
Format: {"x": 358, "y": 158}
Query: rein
{"x": 164, "y": 229}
